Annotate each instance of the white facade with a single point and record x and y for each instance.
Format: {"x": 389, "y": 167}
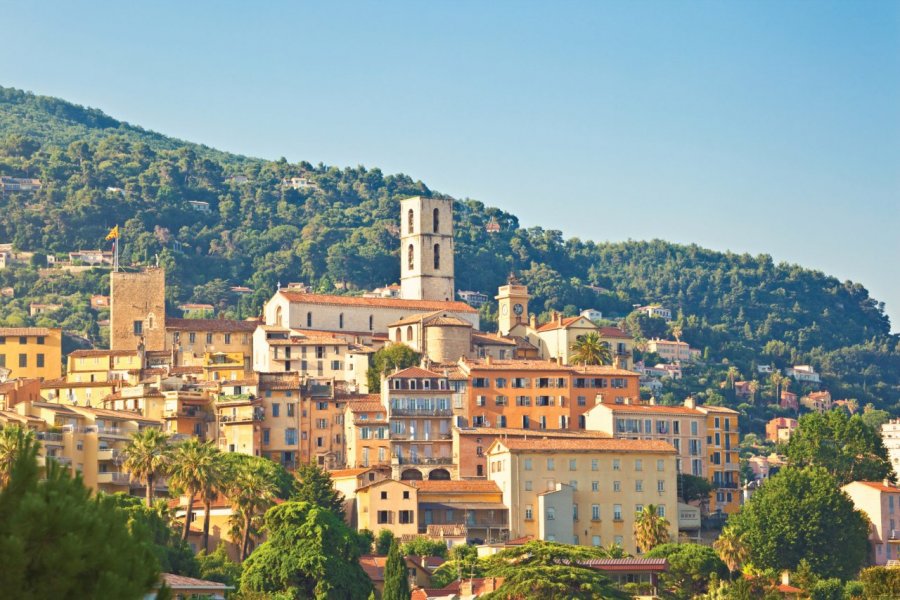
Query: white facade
{"x": 592, "y": 314}
{"x": 426, "y": 249}
{"x": 890, "y": 435}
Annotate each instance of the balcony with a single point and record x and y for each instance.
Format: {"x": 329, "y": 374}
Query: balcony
{"x": 725, "y": 485}
{"x": 236, "y": 419}
{"x": 236, "y": 398}
{"x": 108, "y": 432}
{"x": 424, "y": 460}
{"x": 62, "y": 460}
{"x": 109, "y": 454}
{"x": 114, "y": 478}
{"x": 50, "y": 438}
{"x": 421, "y": 412}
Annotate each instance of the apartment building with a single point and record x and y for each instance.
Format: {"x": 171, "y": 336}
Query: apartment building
{"x": 779, "y": 429}
{"x": 880, "y": 500}
{"x": 281, "y": 429}
{"x": 388, "y": 504}
{"x": 223, "y": 348}
{"x": 366, "y": 433}
{"x": 84, "y": 366}
{"x": 31, "y": 352}
{"x": 890, "y": 435}
{"x": 475, "y": 507}
{"x": 684, "y": 427}
{"x": 724, "y": 462}
{"x": 240, "y": 417}
{"x": 673, "y": 351}
{"x": 584, "y": 491}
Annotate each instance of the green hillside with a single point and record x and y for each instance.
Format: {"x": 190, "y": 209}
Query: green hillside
{"x": 340, "y": 236}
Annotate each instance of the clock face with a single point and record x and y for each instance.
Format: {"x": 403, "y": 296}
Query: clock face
{"x": 505, "y": 310}
{"x": 518, "y": 309}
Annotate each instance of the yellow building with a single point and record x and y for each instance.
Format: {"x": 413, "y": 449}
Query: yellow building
{"x": 388, "y": 504}
{"x": 475, "y": 507}
{"x": 584, "y": 491}
{"x": 280, "y": 432}
{"x": 724, "y": 464}
{"x": 85, "y": 393}
{"x": 222, "y": 347}
{"x": 103, "y": 365}
{"x": 31, "y": 352}
{"x": 366, "y": 433}
{"x": 239, "y": 418}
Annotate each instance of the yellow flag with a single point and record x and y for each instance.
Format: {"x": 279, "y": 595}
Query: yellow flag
{"x": 113, "y": 233}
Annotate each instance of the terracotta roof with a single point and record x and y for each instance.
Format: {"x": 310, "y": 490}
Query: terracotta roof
{"x": 607, "y": 370}
{"x": 373, "y": 566}
{"x": 414, "y": 318}
{"x": 532, "y": 433}
{"x": 366, "y": 406}
{"x": 173, "y": 323}
{"x": 652, "y": 408}
{"x": 14, "y": 331}
{"x": 180, "y": 582}
{"x": 415, "y": 372}
{"x": 447, "y": 321}
{"x": 879, "y": 485}
{"x": 57, "y": 384}
{"x": 614, "y": 332}
{"x": 99, "y": 352}
{"x": 185, "y": 370}
{"x": 116, "y": 414}
{"x": 348, "y": 472}
{"x": 514, "y": 365}
{"x": 492, "y": 338}
{"x": 398, "y": 303}
{"x": 592, "y": 444}
{"x": 717, "y": 409}
{"x": 653, "y": 565}
{"x": 462, "y": 486}
{"x": 279, "y": 381}
{"x": 789, "y": 589}
{"x": 560, "y": 324}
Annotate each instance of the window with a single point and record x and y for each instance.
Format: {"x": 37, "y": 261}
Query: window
{"x": 410, "y": 257}
{"x": 290, "y": 436}
{"x": 500, "y": 382}
{"x": 617, "y": 486}
{"x": 617, "y": 464}
{"x": 617, "y": 512}
{"x": 309, "y": 319}
{"x": 39, "y": 339}
{"x": 660, "y": 485}
{"x": 574, "y": 512}
{"x": 595, "y": 512}
{"x": 595, "y": 486}
{"x": 551, "y": 513}
{"x": 573, "y": 484}
{"x": 371, "y": 322}
{"x": 290, "y": 409}
{"x": 409, "y": 333}
{"x": 595, "y": 465}
{"x": 573, "y": 464}
{"x": 276, "y": 408}
{"x": 384, "y": 516}
{"x": 582, "y": 401}
{"x": 617, "y": 540}
{"x": 528, "y": 485}
{"x": 227, "y": 338}
{"x": 639, "y": 485}
{"x": 661, "y": 510}
{"x": 693, "y": 427}
{"x": 384, "y": 496}
{"x": 595, "y": 541}
{"x": 638, "y": 509}
{"x": 551, "y": 464}
{"x": 138, "y": 328}
{"x": 23, "y": 360}
{"x": 529, "y": 512}
{"x": 266, "y": 436}
{"x": 638, "y": 465}
{"x": 437, "y": 256}
{"x": 192, "y": 337}
{"x": 409, "y": 221}
{"x": 527, "y": 464}
{"x": 435, "y": 221}
{"x": 209, "y": 338}
{"x": 660, "y": 465}
{"x": 40, "y": 360}
{"x": 406, "y": 516}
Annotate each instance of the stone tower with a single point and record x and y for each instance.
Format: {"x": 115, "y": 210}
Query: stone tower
{"x": 137, "y": 310}
{"x": 513, "y": 305}
{"x": 426, "y": 249}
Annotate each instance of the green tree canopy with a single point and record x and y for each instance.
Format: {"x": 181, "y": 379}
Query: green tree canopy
{"x": 396, "y": 576}
{"x": 548, "y": 571}
{"x": 385, "y": 360}
{"x": 315, "y": 486}
{"x": 310, "y": 553}
{"x": 423, "y": 546}
{"x": 217, "y": 566}
{"x": 843, "y": 445}
{"x": 57, "y": 541}
{"x": 694, "y": 489}
{"x": 803, "y": 514}
{"x": 690, "y": 568}
{"x": 383, "y": 542}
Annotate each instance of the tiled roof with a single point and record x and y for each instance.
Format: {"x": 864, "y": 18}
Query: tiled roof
{"x": 210, "y": 325}
{"x": 180, "y": 582}
{"x": 491, "y": 338}
{"x": 366, "y": 406}
{"x": 56, "y": 384}
{"x": 373, "y": 566}
{"x": 348, "y": 472}
{"x": 447, "y": 321}
{"x": 449, "y": 530}
{"x": 416, "y": 318}
{"x": 463, "y": 486}
{"x": 398, "y": 303}
{"x": 100, "y": 352}
{"x": 559, "y": 323}
{"x": 14, "y": 331}
{"x": 279, "y": 381}
{"x": 717, "y": 409}
{"x": 514, "y": 365}
{"x": 653, "y": 565}
{"x": 653, "y": 408}
{"x": 116, "y": 414}
{"x": 607, "y": 370}
{"x": 614, "y": 332}
{"x": 879, "y": 485}
{"x": 415, "y": 372}
{"x": 587, "y": 445}
{"x": 532, "y": 433}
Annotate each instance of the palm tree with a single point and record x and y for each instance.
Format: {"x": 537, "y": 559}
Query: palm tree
{"x": 13, "y": 439}
{"x": 754, "y": 388}
{"x": 731, "y": 376}
{"x": 777, "y": 380}
{"x": 650, "y": 529}
{"x": 216, "y": 477}
{"x": 250, "y": 493}
{"x": 147, "y": 457}
{"x": 677, "y": 331}
{"x": 732, "y": 549}
{"x": 189, "y": 471}
{"x": 589, "y": 349}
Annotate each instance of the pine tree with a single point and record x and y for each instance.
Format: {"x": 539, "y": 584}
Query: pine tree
{"x": 396, "y": 581}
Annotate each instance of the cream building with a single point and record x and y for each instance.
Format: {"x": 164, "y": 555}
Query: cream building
{"x": 388, "y": 504}
{"x": 683, "y": 427}
{"x": 880, "y": 500}
{"x": 673, "y": 351}
{"x": 584, "y": 491}
{"x": 890, "y": 435}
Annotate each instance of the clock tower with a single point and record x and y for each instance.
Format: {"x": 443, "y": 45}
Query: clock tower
{"x": 513, "y": 305}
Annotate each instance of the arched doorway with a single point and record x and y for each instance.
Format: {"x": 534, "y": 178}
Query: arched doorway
{"x": 439, "y": 475}
{"x": 412, "y": 475}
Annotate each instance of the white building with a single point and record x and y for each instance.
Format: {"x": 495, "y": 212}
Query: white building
{"x": 655, "y": 310}
{"x": 803, "y": 373}
{"x": 592, "y": 314}
{"x": 890, "y": 435}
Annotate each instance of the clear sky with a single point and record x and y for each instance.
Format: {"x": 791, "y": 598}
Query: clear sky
{"x": 761, "y": 127}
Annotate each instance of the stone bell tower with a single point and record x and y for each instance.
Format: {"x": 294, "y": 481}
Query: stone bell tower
{"x": 426, "y": 249}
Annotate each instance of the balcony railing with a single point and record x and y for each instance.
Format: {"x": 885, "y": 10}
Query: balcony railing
{"x": 422, "y": 460}
{"x": 241, "y": 418}
{"x": 109, "y": 454}
{"x": 49, "y": 437}
{"x": 114, "y": 477}
{"x": 421, "y": 412}
{"x": 107, "y": 431}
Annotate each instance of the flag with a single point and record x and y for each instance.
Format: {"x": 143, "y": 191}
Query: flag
{"x": 113, "y": 233}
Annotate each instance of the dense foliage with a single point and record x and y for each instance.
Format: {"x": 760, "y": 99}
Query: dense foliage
{"x": 690, "y": 568}
{"x": 339, "y": 234}
{"x": 802, "y": 514}
{"x": 57, "y": 541}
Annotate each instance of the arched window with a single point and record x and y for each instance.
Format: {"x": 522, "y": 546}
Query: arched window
{"x": 398, "y": 335}
{"x": 309, "y": 319}
{"x": 410, "y": 228}
{"x": 436, "y": 220}
{"x": 341, "y": 321}
{"x": 411, "y": 259}
{"x": 371, "y": 322}
{"x": 437, "y": 256}
{"x": 409, "y": 334}
{"x": 278, "y": 317}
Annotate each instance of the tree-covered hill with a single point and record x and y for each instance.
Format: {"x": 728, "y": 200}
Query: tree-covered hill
{"x": 340, "y": 234}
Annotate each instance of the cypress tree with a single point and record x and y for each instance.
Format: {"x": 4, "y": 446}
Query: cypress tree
{"x": 396, "y": 580}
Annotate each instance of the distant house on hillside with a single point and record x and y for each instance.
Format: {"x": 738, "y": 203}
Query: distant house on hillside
{"x": 805, "y": 373}
{"x": 92, "y": 257}
{"x": 298, "y": 183}
{"x": 199, "y": 205}
{"x": 655, "y": 310}
{"x": 592, "y": 314}
{"x": 19, "y": 184}
{"x": 471, "y": 298}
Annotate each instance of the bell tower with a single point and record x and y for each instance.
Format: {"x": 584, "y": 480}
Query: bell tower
{"x": 513, "y": 305}
{"x": 426, "y": 249}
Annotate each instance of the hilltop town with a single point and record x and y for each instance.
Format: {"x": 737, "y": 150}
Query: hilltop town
{"x": 437, "y": 432}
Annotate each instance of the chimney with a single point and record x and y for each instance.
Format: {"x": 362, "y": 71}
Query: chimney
{"x": 559, "y": 318}
{"x": 785, "y": 577}
{"x": 887, "y": 482}
{"x": 690, "y": 402}
{"x": 652, "y": 400}
{"x": 532, "y": 321}
{"x": 488, "y": 359}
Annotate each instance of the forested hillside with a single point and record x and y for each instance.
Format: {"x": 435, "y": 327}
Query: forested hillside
{"x": 340, "y": 235}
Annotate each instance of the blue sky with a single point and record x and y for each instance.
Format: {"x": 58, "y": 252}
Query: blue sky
{"x": 760, "y": 127}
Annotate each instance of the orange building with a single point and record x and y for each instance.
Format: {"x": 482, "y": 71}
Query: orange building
{"x": 366, "y": 433}
{"x": 541, "y": 394}
{"x": 31, "y": 352}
